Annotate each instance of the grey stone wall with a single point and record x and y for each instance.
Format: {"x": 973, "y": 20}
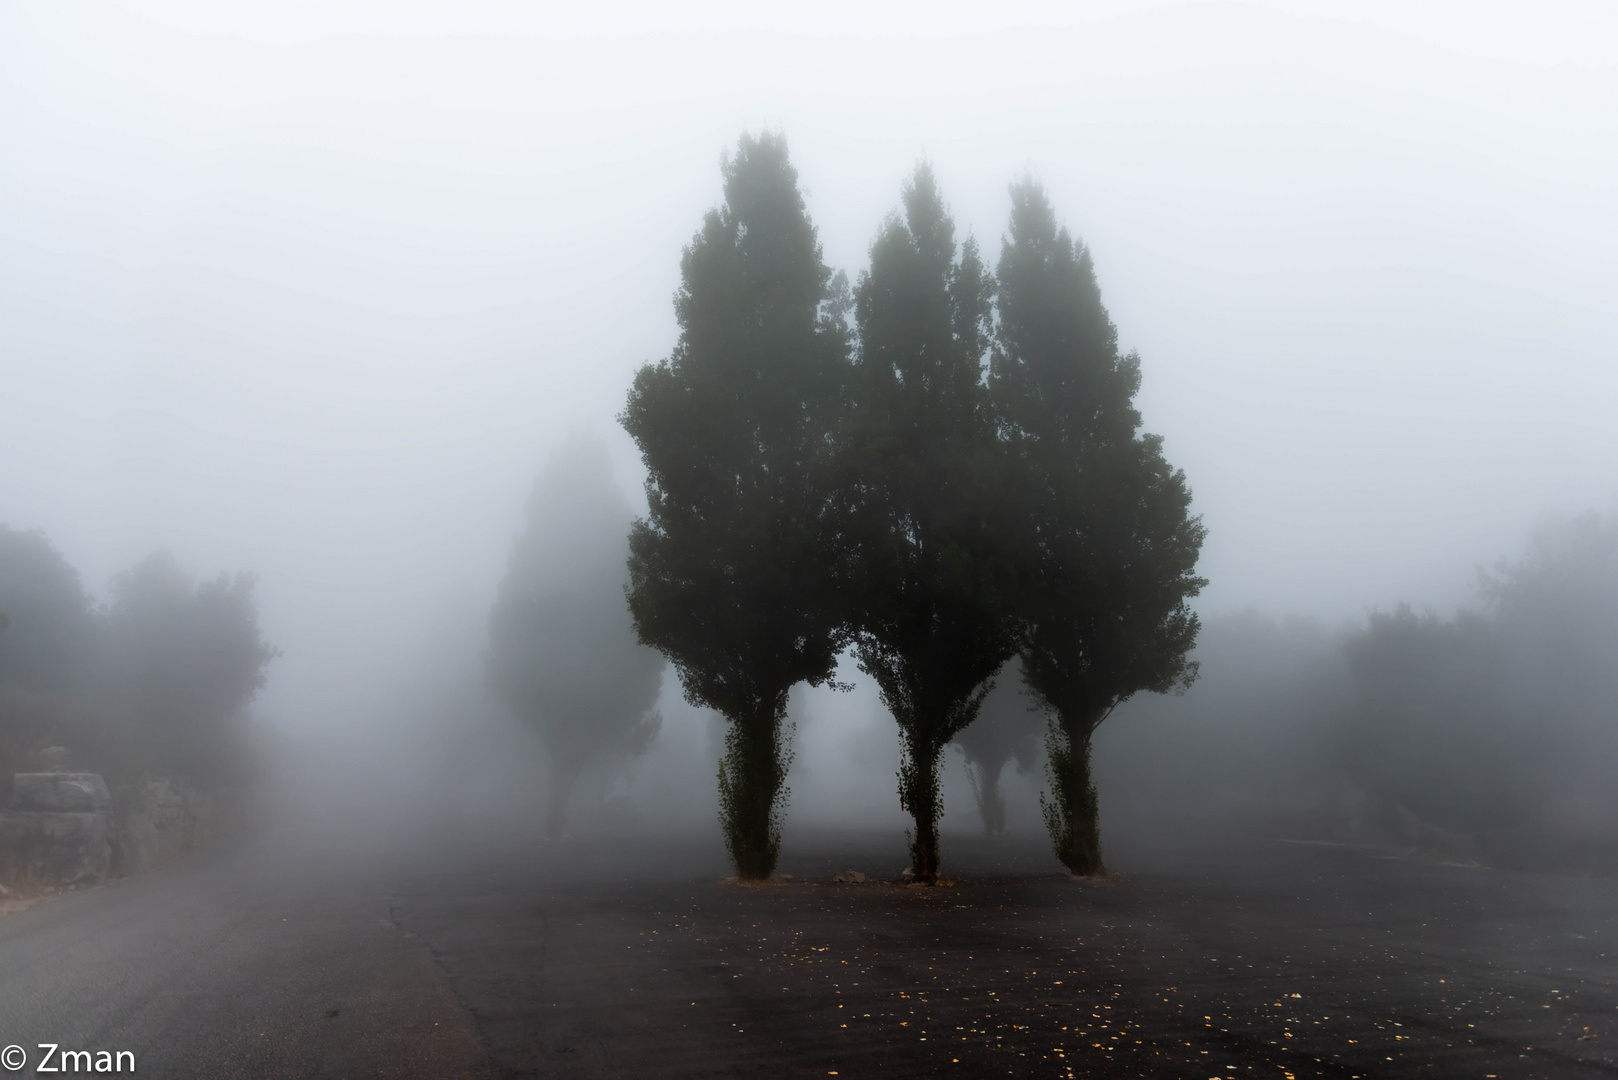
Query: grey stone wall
{"x": 61, "y": 829}
{"x": 167, "y": 818}
{"x": 58, "y": 830}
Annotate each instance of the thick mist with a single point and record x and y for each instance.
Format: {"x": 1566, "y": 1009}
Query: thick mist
{"x": 315, "y": 296}
{"x": 509, "y": 515}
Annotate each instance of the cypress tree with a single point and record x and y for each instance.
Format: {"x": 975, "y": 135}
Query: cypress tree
{"x": 732, "y": 573}
{"x": 562, "y": 652}
{"x": 931, "y": 598}
{"x": 1110, "y": 543}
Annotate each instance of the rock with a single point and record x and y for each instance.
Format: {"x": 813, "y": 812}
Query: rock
{"x": 58, "y": 831}
{"x": 60, "y": 792}
{"x": 852, "y": 877}
{"x": 54, "y": 848}
{"x": 167, "y": 819}
{"x": 62, "y": 830}
{"x": 909, "y": 873}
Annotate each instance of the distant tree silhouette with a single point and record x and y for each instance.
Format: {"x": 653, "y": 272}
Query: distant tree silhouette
{"x": 1432, "y": 736}
{"x": 1557, "y": 610}
{"x": 924, "y": 494}
{"x": 47, "y": 645}
{"x": 1008, "y": 728}
{"x": 158, "y": 683}
{"x": 1468, "y": 732}
{"x": 562, "y": 649}
{"x": 732, "y": 575}
{"x": 47, "y": 634}
{"x": 180, "y": 662}
{"x": 1109, "y": 542}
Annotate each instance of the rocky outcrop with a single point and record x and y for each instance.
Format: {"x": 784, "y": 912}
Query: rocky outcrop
{"x": 58, "y": 830}
{"x": 62, "y": 829}
{"x": 70, "y": 792}
{"x": 167, "y": 818}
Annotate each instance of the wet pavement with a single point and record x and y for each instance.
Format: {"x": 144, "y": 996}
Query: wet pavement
{"x": 619, "y": 956}
{"x": 1260, "y": 959}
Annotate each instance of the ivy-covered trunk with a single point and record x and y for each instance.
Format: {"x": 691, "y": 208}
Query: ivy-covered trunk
{"x": 919, "y": 796}
{"x": 1071, "y": 813}
{"x": 752, "y": 777}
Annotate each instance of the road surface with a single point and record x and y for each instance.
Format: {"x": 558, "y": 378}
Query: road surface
{"x": 632, "y": 958}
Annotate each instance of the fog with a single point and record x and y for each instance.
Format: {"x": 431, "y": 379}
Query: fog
{"x": 316, "y": 293}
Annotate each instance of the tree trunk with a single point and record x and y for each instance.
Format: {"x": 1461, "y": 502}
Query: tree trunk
{"x": 751, "y": 776}
{"x": 1072, "y": 814}
{"x": 985, "y": 777}
{"x": 918, "y": 793}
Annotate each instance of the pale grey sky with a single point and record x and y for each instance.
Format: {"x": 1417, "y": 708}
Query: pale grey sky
{"x": 313, "y": 290}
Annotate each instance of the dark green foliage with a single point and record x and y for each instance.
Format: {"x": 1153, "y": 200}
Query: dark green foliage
{"x": 732, "y": 574}
{"x": 181, "y": 661}
{"x": 1071, "y": 812}
{"x": 752, "y": 794}
{"x": 562, "y": 649}
{"x": 1009, "y": 727}
{"x": 1109, "y": 541}
{"x": 925, "y": 492}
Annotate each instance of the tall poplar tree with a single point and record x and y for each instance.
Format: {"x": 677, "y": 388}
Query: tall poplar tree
{"x": 1111, "y": 543}
{"x": 732, "y": 574}
{"x": 931, "y": 602}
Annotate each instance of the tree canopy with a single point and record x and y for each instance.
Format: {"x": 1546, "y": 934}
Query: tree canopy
{"x": 49, "y": 623}
{"x": 47, "y": 637}
{"x": 731, "y": 574}
{"x": 181, "y": 661}
{"x": 924, "y": 495}
{"x": 939, "y": 517}
{"x": 1109, "y": 543}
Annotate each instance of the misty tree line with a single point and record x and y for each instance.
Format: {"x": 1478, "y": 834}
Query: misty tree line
{"x": 1489, "y": 735}
{"x": 1498, "y": 727}
{"x": 155, "y": 683}
{"x": 940, "y": 469}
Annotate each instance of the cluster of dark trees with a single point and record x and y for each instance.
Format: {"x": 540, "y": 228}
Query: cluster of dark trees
{"x": 155, "y": 683}
{"x": 1497, "y": 728}
{"x": 1490, "y": 735}
{"x": 940, "y": 468}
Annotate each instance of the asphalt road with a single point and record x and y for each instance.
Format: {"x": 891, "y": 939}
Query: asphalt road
{"x": 255, "y": 961}
{"x": 631, "y": 958}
